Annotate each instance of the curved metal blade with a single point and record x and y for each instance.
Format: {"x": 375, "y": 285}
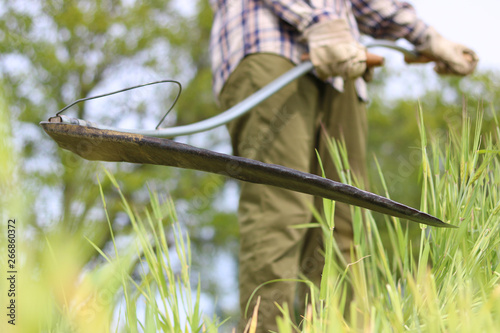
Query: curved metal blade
{"x": 112, "y": 146}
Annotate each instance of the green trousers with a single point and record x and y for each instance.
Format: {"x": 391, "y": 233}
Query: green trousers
{"x": 287, "y": 129}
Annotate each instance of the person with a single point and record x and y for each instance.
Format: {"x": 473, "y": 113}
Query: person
{"x": 254, "y": 42}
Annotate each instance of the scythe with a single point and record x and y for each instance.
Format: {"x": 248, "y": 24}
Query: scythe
{"x": 101, "y": 143}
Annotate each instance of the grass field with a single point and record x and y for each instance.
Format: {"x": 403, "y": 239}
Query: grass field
{"x": 450, "y": 283}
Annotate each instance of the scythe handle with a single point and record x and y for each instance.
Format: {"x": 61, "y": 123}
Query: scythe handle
{"x": 372, "y": 60}
{"x": 240, "y": 108}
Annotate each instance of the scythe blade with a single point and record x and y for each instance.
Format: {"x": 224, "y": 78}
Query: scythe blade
{"x": 113, "y": 146}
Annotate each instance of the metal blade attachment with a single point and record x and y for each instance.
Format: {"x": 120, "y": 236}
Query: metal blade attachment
{"x": 113, "y": 146}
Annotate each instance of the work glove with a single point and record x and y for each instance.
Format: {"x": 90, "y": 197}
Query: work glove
{"x": 450, "y": 57}
{"x": 334, "y": 51}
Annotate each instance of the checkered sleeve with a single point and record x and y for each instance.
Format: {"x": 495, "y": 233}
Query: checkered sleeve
{"x": 300, "y": 14}
{"x": 389, "y": 19}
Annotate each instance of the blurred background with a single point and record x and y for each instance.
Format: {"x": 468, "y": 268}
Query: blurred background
{"x": 53, "y": 52}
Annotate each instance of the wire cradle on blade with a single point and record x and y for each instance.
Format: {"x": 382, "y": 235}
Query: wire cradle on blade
{"x": 114, "y": 146}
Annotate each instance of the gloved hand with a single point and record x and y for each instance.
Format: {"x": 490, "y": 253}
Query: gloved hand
{"x": 334, "y": 51}
{"x": 450, "y": 57}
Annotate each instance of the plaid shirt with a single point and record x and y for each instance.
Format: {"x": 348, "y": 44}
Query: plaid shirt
{"x": 243, "y": 27}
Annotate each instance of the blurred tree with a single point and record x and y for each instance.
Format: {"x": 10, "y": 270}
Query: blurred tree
{"x": 54, "y": 52}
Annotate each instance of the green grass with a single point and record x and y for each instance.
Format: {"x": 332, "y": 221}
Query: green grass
{"x": 452, "y": 283}
{"x": 144, "y": 283}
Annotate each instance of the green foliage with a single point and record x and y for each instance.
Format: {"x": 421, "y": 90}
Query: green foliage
{"x": 394, "y": 133}
{"x": 55, "y": 52}
{"x": 393, "y": 137}
{"x": 142, "y": 285}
